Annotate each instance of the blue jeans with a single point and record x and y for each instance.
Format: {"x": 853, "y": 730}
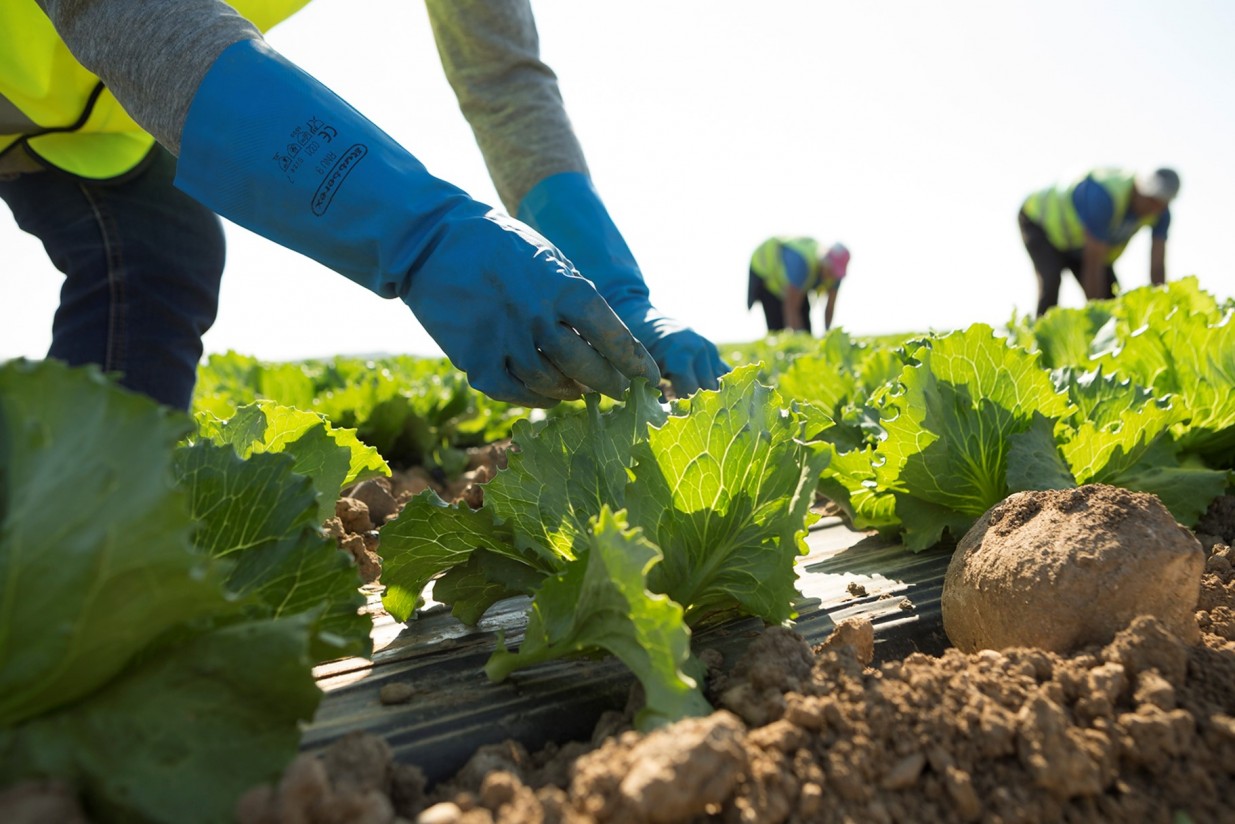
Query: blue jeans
{"x": 142, "y": 264}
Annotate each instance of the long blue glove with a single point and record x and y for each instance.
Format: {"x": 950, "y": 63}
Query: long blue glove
{"x": 566, "y": 209}
{"x": 267, "y": 146}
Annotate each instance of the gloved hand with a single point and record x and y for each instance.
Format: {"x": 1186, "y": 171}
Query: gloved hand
{"x": 268, "y": 147}
{"x": 566, "y": 209}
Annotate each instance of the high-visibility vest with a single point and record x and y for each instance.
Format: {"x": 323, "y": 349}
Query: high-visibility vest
{"x": 768, "y": 264}
{"x": 1054, "y": 210}
{"x": 61, "y": 112}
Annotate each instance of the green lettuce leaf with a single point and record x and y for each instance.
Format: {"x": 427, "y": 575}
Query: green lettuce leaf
{"x": 486, "y": 578}
{"x": 1137, "y": 451}
{"x": 95, "y": 553}
{"x": 849, "y": 481}
{"x": 184, "y": 731}
{"x": 129, "y": 669}
{"x": 600, "y": 601}
{"x": 562, "y": 471}
{"x": 429, "y": 537}
{"x": 819, "y": 380}
{"x": 1100, "y": 399}
{"x": 949, "y": 429}
{"x": 1205, "y": 360}
{"x": 724, "y": 489}
{"x": 565, "y": 470}
{"x": 262, "y": 516}
{"x": 720, "y": 490}
{"x": 1064, "y": 336}
{"x": 331, "y": 457}
{"x": 1034, "y": 459}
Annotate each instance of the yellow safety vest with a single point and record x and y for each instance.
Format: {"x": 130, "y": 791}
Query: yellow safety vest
{"x": 768, "y": 264}
{"x": 61, "y": 112}
{"x": 1054, "y": 210}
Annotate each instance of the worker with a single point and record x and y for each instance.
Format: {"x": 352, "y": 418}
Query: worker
{"x": 1085, "y": 226}
{"x": 785, "y": 272}
{"x": 126, "y": 127}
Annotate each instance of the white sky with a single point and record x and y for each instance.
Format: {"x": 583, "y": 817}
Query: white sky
{"x": 909, "y": 130}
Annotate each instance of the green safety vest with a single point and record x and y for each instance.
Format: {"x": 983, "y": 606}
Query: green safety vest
{"x": 1054, "y": 210}
{"x": 61, "y": 112}
{"x": 768, "y": 264}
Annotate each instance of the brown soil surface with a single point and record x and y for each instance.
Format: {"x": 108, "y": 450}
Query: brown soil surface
{"x": 1141, "y": 729}
{"x": 364, "y": 507}
{"x": 1060, "y": 569}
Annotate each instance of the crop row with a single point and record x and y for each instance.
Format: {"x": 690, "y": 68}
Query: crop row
{"x": 167, "y": 587}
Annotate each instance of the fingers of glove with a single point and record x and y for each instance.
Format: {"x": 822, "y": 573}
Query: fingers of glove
{"x": 710, "y": 368}
{"x": 680, "y": 371}
{"x": 577, "y": 359}
{"x": 541, "y": 374}
{"x": 595, "y": 322}
{"x": 692, "y": 363}
{"x": 502, "y": 386}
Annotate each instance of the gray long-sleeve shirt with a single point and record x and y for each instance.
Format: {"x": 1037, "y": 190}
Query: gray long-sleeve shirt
{"x": 153, "y": 56}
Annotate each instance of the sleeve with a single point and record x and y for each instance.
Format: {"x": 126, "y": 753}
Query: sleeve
{"x": 1095, "y": 208}
{"x": 490, "y": 51}
{"x": 151, "y": 56}
{"x": 1162, "y": 226}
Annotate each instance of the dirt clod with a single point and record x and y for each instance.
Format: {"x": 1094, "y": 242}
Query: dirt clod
{"x": 1061, "y": 569}
{"x": 375, "y": 494}
{"x": 397, "y": 692}
{"x": 40, "y": 802}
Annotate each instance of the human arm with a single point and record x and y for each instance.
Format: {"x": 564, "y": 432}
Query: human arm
{"x": 1157, "y": 261}
{"x": 113, "y": 39}
{"x": 511, "y": 99}
{"x": 829, "y": 308}
{"x": 265, "y": 145}
{"x": 1157, "y": 249}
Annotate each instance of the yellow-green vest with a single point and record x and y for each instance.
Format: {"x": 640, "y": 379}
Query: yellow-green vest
{"x": 768, "y": 264}
{"x": 1054, "y": 210}
{"x": 60, "y": 111}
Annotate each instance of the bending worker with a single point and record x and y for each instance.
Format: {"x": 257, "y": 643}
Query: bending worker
{"x": 173, "y": 112}
{"x": 784, "y": 274}
{"x": 1085, "y": 226}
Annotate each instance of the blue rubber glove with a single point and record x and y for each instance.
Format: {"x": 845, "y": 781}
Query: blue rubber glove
{"x": 566, "y": 209}
{"x": 268, "y": 147}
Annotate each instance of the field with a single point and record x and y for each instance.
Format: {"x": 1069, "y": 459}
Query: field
{"x": 745, "y": 587}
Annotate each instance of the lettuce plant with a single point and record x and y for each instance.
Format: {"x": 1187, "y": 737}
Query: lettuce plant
{"x": 1174, "y": 340}
{"x": 161, "y": 605}
{"x": 413, "y": 411}
{"x": 330, "y": 457}
{"x": 626, "y": 528}
{"x": 972, "y": 418}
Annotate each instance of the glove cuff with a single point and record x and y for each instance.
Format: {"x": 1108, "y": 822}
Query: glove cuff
{"x": 567, "y": 210}
{"x": 270, "y": 148}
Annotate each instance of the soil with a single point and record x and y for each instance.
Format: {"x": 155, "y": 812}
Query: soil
{"x": 364, "y": 507}
{"x": 1140, "y": 729}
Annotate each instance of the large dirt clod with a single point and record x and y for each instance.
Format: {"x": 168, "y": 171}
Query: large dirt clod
{"x": 1064, "y": 569}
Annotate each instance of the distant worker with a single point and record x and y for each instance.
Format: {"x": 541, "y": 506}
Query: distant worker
{"x": 784, "y": 274}
{"x": 1085, "y": 226}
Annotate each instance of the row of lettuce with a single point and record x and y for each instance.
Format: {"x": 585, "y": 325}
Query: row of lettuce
{"x": 166, "y": 586}
{"x": 915, "y": 437}
{"x": 1137, "y": 392}
{"x": 925, "y": 431}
